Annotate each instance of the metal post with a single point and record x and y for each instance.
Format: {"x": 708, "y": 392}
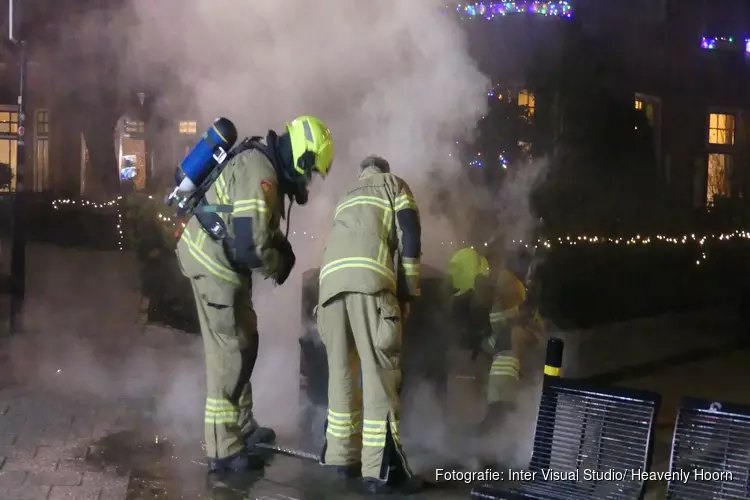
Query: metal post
{"x": 542, "y": 455}
{"x": 18, "y": 252}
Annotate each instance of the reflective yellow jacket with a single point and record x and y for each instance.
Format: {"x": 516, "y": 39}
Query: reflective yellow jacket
{"x": 249, "y": 185}
{"x": 375, "y": 242}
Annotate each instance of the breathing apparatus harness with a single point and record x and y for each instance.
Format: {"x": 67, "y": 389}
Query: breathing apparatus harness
{"x": 208, "y": 214}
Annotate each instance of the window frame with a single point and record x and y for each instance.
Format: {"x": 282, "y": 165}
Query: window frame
{"x": 187, "y": 127}
{"x": 721, "y": 113}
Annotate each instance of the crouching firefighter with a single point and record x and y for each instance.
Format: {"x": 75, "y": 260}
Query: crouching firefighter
{"x": 515, "y": 326}
{"x": 233, "y": 200}
{"x": 370, "y": 274}
{"x": 471, "y": 298}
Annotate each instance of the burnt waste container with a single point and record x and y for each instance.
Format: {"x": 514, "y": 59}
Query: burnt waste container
{"x": 426, "y": 344}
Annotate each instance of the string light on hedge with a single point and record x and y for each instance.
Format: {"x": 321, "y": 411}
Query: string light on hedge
{"x": 637, "y": 240}
{"x": 120, "y": 236}
{"x": 56, "y": 204}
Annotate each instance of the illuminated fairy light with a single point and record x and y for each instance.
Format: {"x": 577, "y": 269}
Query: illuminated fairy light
{"x": 702, "y": 241}
{"x": 117, "y": 202}
{"x": 491, "y": 10}
{"x": 718, "y": 42}
{"x": 503, "y": 161}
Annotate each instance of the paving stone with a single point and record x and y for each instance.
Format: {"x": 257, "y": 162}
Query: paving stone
{"x": 28, "y": 464}
{"x": 116, "y": 490}
{"x": 7, "y": 438}
{"x": 55, "y": 453}
{"x": 27, "y": 492}
{"x": 80, "y": 465}
{"x": 9, "y": 479}
{"x": 55, "y": 478}
{"x": 74, "y": 493}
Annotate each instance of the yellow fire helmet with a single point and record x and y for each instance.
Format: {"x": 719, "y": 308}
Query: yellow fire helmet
{"x": 464, "y": 268}
{"x": 312, "y": 145}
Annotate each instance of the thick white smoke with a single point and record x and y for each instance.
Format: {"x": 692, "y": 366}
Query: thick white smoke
{"x": 390, "y": 78}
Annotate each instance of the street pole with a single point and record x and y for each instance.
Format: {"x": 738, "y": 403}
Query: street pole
{"x": 18, "y": 252}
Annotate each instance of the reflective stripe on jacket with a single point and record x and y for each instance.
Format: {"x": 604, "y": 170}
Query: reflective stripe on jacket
{"x": 249, "y": 185}
{"x": 375, "y": 242}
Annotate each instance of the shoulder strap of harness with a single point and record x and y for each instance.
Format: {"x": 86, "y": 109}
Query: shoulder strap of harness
{"x": 202, "y": 206}
{"x": 207, "y": 213}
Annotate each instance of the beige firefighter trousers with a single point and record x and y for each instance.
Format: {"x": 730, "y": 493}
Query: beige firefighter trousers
{"x": 230, "y": 340}
{"x": 502, "y": 384}
{"x": 365, "y": 331}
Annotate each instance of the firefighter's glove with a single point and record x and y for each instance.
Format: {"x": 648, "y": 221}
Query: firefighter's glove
{"x": 287, "y": 262}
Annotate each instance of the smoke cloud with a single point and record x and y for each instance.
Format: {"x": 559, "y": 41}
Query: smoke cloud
{"x": 389, "y": 78}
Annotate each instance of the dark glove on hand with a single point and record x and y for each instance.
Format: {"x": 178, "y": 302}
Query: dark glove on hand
{"x": 289, "y": 259}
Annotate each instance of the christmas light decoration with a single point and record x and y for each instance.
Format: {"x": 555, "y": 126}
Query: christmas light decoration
{"x": 491, "y": 10}
{"x": 503, "y": 161}
{"x": 702, "y": 241}
{"x": 56, "y": 204}
{"x": 719, "y": 42}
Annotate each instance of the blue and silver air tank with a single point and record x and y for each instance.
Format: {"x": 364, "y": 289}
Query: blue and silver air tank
{"x": 210, "y": 151}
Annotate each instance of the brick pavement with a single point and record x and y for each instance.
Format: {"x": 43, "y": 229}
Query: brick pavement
{"x": 57, "y": 381}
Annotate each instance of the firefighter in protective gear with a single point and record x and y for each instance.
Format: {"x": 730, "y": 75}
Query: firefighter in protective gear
{"x": 489, "y": 303}
{"x": 219, "y": 249}
{"x": 513, "y": 330}
{"x": 469, "y": 274}
{"x": 369, "y": 275}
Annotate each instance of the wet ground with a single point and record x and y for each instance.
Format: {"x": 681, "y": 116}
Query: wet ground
{"x": 162, "y": 470}
{"x": 79, "y": 418}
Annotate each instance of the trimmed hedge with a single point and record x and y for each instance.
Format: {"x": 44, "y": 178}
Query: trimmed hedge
{"x": 582, "y": 285}
{"x": 153, "y": 241}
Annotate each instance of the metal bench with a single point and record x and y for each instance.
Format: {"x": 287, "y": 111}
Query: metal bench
{"x": 591, "y": 439}
{"x": 710, "y": 451}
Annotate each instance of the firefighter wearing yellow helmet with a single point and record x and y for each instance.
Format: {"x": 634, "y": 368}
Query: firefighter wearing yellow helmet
{"x": 490, "y": 304}
{"x": 234, "y": 232}
{"x": 370, "y": 274}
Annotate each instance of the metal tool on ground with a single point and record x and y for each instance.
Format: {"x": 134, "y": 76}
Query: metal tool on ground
{"x": 289, "y": 451}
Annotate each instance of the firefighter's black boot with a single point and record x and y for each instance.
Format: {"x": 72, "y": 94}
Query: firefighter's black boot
{"x": 497, "y": 414}
{"x": 349, "y": 471}
{"x": 240, "y": 461}
{"x": 260, "y": 435}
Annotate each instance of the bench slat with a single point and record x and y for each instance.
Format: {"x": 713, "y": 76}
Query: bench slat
{"x": 583, "y": 428}
{"x": 712, "y": 445}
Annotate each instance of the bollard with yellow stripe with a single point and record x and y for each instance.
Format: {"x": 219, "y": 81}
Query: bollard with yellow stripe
{"x": 553, "y": 362}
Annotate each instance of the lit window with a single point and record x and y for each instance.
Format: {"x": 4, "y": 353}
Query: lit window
{"x": 638, "y": 104}
{"x": 719, "y": 176}
{"x": 187, "y": 127}
{"x": 721, "y": 129}
{"x": 8, "y": 122}
{"x": 527, "y": 99}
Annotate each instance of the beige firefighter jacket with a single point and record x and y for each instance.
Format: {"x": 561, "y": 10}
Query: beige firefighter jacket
{"x": 510, "y": 294}
{"x": 249, "y": 185}
{"x": 364, "y": 251}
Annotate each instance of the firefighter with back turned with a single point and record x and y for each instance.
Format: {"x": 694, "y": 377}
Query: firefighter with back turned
{"x": 369, "y": 276}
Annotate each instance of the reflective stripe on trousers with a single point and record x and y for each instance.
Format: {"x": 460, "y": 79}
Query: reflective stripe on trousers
{"x": 505, "y": 365}
{"x": 343, "y": 425}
